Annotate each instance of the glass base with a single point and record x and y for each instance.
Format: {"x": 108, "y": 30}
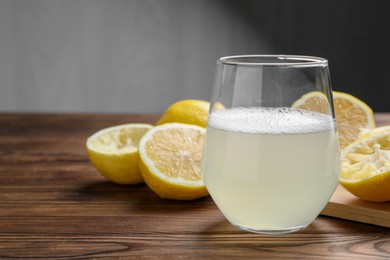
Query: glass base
{"x": 270, "y": 231}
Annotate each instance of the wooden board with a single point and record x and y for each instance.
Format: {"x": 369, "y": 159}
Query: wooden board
{"x": 346, "y": 206}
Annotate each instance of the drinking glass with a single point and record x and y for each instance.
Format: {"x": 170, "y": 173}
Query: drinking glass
{"x": 271, "y": 156}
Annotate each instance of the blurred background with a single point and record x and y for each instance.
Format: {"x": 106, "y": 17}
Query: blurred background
{"x": 139, "y": 56}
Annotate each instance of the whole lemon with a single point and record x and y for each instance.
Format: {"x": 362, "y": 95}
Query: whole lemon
{"x": 189, "y": 111}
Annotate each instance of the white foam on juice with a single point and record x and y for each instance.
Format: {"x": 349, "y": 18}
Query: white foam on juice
{"x": 270, "y": 120}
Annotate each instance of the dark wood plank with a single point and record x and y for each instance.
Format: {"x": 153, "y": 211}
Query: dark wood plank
{"x": 54, "y": 205}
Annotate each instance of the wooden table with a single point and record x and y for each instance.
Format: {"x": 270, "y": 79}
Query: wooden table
{"x": 53, "y": 204}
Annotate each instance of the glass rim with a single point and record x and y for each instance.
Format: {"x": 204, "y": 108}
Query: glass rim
{"x": 264, "y": 60}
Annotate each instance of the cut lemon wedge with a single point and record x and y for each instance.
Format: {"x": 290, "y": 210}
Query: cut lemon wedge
{"x": 170, "y": 161}
{"x": 365, "y": 169}
{"x": 352, "y": 114}
{"x": 114, "y": 152}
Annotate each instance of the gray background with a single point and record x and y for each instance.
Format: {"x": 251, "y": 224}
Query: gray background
{"x": 142, "y": 55}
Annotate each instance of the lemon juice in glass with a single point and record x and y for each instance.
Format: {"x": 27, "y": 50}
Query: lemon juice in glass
{"x": 269, "y": 166}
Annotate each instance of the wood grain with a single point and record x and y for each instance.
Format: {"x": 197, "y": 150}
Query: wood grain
{"x": 54, "y": 205}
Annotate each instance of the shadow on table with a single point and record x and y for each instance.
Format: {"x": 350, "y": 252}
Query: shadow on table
{"x": 320, "y": 227}
{"x": 138, "y": 198}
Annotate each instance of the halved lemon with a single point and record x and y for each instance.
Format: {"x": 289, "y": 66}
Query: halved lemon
{"x": 114, "y": 152}
{"x": 365, "y": 168}
{"x": 189, "y": 111}
{"x": 352, "y": 114}
{"x": 313, "y": 101}
{"x": 170, "y": 161}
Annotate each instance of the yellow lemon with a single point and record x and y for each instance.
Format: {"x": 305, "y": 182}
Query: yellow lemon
{"x": 365, "y": 169}
{"x": 190, "y": 111}
{"x": 352, "y": 114}
{"x": 313, "y": 101}
{"x": 170, "y": 161}
{"x": 218, "y": 106}
{"x": 114, "y": 152}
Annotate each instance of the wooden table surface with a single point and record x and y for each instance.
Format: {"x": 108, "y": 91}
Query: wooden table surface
{"x": 53, "y": 204}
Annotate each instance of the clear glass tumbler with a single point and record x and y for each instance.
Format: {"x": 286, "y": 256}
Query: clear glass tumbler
{"x": 271, "y": 157}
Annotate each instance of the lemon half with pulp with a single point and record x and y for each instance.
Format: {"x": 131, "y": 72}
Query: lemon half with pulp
{"x": 365, "y": 168}
{"x": 170, "y": 161}
{"x": 352, "y": 114}
{"x": 114, "y": 152}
